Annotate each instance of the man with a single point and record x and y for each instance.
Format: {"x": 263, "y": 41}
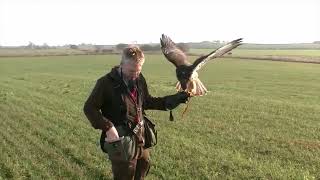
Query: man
{"x": 116, "y": 106}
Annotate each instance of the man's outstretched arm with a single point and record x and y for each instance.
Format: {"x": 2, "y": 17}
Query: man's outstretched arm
{"x": 162, "y": 103}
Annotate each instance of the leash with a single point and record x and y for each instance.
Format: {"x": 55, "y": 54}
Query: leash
{"x": 186, "y": 108}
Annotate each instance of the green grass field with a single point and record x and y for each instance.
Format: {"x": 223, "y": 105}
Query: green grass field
{"x": 260, "y": 120}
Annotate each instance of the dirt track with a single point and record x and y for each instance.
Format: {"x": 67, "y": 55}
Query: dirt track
{"x": 302, "y": 59}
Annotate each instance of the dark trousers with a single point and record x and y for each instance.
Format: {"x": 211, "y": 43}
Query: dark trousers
{"x": 135, "y": 169}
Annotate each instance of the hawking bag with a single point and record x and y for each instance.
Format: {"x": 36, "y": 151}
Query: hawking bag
{"x": 150, "y": 133}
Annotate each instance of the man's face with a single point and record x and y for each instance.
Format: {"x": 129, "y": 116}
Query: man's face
{"x": 131, "y": 71}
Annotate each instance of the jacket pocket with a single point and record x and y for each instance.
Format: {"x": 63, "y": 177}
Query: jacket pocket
{"x": 123, "y": 149}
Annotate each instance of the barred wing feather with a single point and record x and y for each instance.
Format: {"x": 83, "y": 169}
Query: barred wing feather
{"x": 216, "y": 53}
{"x": 172, "y": 52}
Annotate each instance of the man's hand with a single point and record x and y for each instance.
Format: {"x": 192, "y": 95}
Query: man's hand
{"x": 173, "y": 101}
{"x": 112, "y": 135}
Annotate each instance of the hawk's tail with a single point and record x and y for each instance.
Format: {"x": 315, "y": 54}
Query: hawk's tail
{"x": 194, "y": 87}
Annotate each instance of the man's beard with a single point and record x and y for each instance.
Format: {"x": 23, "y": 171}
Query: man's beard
{"x": 131, "y": 84}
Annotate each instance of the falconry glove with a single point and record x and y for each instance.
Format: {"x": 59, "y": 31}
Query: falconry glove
{"x": 173, "y": 101}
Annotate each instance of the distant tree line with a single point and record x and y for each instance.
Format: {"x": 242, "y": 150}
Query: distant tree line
{"x": 185, "y": 47}
{"x": 154, "y": 47}
{"x": 31, "y": 45}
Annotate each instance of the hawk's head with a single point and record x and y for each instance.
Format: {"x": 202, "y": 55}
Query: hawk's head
{"x": 183, "y": 73}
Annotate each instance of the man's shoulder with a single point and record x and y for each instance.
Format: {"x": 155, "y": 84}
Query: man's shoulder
{"x": 110, "y": 76}
{"x": 104, "y": 78}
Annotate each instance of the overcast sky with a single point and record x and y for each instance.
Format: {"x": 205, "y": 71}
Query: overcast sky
{"x": 59, "y": 22}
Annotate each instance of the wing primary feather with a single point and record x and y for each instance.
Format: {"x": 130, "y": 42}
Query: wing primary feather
{"x": 172, "y": 52}
{"x": 216, "y": 53}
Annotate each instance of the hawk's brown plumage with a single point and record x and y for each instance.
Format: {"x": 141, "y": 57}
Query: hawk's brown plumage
{"x": 172, "y": 52}
{"x": 187, "y": 72}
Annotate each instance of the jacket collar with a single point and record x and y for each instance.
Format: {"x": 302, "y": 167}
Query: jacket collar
{"x": 114, "y": 74}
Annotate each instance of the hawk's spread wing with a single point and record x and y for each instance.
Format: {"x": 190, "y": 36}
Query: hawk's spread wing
{"x": 172, "y": 52}
{"x": 216, "y": 53}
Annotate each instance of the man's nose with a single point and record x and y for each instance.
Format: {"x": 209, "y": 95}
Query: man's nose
{"x": 135, "y": 75}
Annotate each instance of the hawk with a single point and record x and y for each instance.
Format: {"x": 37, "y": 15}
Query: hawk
{"x": 186, "y": 72}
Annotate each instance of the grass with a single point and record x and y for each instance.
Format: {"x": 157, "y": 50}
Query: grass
{"x": 260, "y": 120}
